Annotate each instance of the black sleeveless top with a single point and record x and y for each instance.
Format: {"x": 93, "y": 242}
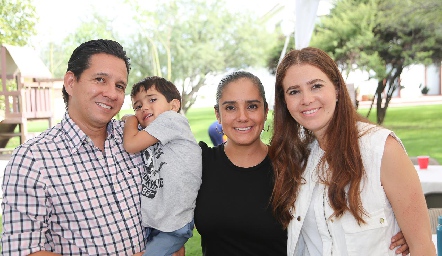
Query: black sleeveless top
{"x": 233, "y": 213}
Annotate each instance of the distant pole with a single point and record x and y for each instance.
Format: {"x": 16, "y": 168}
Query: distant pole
{"x": 305, "y": 17}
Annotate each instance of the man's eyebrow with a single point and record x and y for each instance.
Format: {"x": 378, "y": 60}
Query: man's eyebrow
{"x": 107, "y": 75}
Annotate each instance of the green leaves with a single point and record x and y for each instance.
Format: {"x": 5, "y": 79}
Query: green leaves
{"x": 195, "y": 38}
{"x": 382, "y": 37}
{"x": 17, "y": 21}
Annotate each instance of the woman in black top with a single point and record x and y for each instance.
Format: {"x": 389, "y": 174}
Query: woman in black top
{"x": 233, "y": 213}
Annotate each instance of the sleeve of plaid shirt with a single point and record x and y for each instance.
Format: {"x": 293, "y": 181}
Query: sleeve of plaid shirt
{"x": 25, "y": 206}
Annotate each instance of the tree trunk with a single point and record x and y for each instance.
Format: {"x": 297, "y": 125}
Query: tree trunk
{"x": 392, "y": 80}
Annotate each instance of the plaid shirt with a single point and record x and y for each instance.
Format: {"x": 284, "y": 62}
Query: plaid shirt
{"x": 62, "y": 194}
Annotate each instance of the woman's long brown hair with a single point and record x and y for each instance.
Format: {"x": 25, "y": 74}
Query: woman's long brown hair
{"x": 289, "y": 151}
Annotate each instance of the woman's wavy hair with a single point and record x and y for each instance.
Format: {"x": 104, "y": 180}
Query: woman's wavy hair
{"x": 289, "y": 145}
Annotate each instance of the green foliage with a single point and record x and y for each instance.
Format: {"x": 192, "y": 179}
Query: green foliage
{"x": 185, "y": 41}
{"x": 188, "y": 40}
{"x": 11, "y": 85}
{"x": 418, "y": 127}
{"x": 381, "y": 37}
{"x": 56, "y": 55}
{"x": 275, "y": 52}
{"x": 17, "y": 21}
{"x": 424, "y": 89}
{"x": 193, "y": 245}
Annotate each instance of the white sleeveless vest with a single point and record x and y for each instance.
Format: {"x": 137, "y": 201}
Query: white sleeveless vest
{"x": 346, "y": 236}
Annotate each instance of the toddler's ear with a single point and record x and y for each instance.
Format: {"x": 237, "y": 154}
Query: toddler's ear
{"x": 175, "y": 105}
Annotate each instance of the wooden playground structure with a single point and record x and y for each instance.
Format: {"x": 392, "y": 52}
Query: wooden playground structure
{"x": 25, "y": 95}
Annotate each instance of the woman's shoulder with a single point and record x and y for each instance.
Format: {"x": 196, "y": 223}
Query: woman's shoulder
{"x": 206, "y": 149}
{"x": 369, "y": 130}
{"x": 203, "y": 145}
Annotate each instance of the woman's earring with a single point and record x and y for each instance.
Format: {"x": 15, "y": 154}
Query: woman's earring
{"x": 302, "y": 132}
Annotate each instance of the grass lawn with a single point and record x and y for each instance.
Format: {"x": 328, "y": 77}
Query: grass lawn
{"x": 419, "y": 128}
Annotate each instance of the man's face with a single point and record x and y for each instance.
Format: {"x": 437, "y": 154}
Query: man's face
{"x": 97, "y": 96}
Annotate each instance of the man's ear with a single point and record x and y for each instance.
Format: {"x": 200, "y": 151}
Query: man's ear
{"x": 175, "y": 105}
{"x": 69, "y": 79}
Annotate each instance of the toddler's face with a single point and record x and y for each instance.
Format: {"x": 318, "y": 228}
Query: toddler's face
{"x": 149, "y": 104}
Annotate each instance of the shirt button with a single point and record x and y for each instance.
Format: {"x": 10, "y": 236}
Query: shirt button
{"x": 381, "y": 220}
{"x": 299, "y": 218}
{"x": 127, "y": 215}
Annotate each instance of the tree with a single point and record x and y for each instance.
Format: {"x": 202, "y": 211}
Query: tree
{"x": 186, "y": 41}
{"x": 376, "y": 36}
{"x": 17, "y": 21}
{"x": 56, "y": 55}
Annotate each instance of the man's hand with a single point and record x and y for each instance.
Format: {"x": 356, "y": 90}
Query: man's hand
{"x": 180, "y": 252}
{"x": 399, "y": 240}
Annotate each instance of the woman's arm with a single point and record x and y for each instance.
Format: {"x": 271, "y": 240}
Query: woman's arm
{"x": 403, "y": 189}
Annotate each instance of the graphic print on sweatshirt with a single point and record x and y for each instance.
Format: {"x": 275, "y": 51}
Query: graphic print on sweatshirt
{"x": 151, "y": 180}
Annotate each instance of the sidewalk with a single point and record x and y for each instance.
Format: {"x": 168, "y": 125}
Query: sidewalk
{"x": 401, "y": 102}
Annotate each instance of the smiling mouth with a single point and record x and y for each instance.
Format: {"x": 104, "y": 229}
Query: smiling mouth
{"x": 104, "y": 105}
{"x": 243, "y": 128}
{"x": 311, "y": 111}
{"x": 147, "y": 116}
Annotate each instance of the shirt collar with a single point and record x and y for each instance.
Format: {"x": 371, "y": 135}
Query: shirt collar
{"x": 78, "y": 137}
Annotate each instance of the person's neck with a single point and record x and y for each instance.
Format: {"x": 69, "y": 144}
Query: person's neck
{"x": 246, "y": 155}
{"x": 96, "y": 134}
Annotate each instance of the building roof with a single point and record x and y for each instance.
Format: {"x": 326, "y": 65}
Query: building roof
{"x": 24, "y": 60}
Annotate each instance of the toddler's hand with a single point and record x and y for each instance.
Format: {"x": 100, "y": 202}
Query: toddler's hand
{"x": 124, "y": 118}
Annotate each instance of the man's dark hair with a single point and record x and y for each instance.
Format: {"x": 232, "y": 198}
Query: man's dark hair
{"x": 163, "y": 86}
{"x": 80, "y": 58}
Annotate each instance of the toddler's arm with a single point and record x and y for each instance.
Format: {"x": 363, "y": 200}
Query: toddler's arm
{"x": 135, "y": 140}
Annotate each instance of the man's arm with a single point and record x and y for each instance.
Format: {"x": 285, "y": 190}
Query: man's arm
{"x": 25, "y": 209}
{"x": 134, "y": 140}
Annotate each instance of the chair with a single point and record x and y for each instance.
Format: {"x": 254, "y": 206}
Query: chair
{"x": 432, "y": 161}
{"x": 434, "y": 200}
{"x": 434, "y": 213}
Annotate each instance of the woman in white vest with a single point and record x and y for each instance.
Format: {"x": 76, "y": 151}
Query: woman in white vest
{"x": 343, "y": 186}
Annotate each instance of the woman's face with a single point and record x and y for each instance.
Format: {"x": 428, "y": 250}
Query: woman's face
{"x": 242, "y": 112}
{"x": 310, "y": 97}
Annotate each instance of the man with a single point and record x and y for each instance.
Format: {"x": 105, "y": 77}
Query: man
{"x": 74, "y": 190}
